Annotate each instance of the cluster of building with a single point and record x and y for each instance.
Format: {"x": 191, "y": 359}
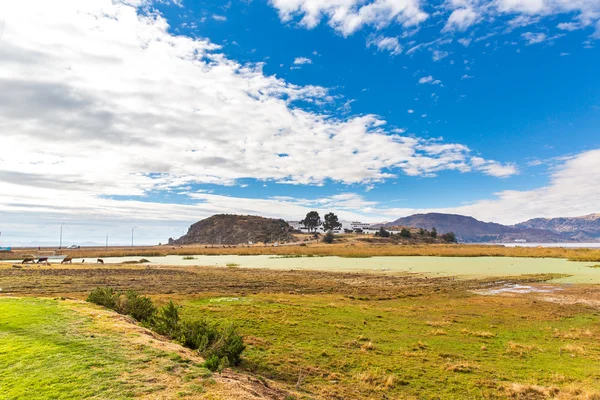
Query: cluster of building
{"x": 347, "y": 227}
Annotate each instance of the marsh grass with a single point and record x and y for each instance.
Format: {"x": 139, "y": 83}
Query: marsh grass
{"x": 347, "y": 248}
{"x": 407, "y": 347}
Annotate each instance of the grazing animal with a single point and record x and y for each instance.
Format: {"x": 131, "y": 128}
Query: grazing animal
{"x": 100, "y": 261}
{"x": 83, "y": 261}
{"x": 67, "y": 260}
{"x": 28, "y": 260}
{"x": 42, "y": 260}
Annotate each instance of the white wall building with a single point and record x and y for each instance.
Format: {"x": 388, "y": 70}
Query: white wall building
{"x": 346, "y": 225}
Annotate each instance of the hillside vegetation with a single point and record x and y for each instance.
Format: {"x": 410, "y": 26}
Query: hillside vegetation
{"x": 235, "y": 229}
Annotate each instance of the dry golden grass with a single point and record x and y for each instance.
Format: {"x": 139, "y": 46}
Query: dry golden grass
{"x": 463, "y": 367}
{"x": 573, "y": 334}
{"x": 480, "y": 334}
{"x": 346, "y": 247}
{"x": 534, "y": 392}
{"x": 438, "y": 332}
{"x": 438, "y": 324}
{"x": 572, "y": 349}
{"x": 520, "y": 349}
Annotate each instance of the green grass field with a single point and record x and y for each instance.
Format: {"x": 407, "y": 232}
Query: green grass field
{"x": 309, "y": 335}
{"x": 437, "y": 346}
{"x": 51, "y": 349}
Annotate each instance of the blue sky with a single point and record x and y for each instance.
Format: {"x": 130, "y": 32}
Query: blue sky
{"x": 157, "y": 114}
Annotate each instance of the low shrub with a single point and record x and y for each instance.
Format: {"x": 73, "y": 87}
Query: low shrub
{"x": 198, "y": 335}
{"x": 166, "y": 321}
{"x": 104, "y": 296}
{"x": 328, "y": 238}
{"x": 222, "y": 348}
{"x": 139, "y": 307}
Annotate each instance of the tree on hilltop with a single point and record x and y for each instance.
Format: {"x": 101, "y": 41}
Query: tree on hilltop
{"x": 312, "y": 221}
{"x": 331, "y": 222}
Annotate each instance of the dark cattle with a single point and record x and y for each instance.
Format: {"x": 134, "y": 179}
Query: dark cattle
{"x": 100, "y": 261}
{"x": 42, "y": 260}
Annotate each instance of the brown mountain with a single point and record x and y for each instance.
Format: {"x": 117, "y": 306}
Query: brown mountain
{"x": 235, "y": 229}
{"x": 578, "y": 228}
{"x": 471, "y": 230}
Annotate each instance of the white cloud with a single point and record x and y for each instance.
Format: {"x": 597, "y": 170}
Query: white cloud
{"x": 461, "y": 19}
{"x": 430, "y": 79}
{"x": 302, "y": 61}
{"x": 573, "y": 190}
{"x": 383, "y": 43}
{"x": 533, "y": 38}
{"x": 465, "y": 41}
{"x": 220, "y": 18}
{"x": 411, "y": 111}
{"x": 439, "y": 55}
{"x": 348, "y": 16}
{"x": 102, "y": 100}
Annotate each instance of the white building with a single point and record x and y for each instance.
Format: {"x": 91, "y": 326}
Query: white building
{"x": 346, "y": 225}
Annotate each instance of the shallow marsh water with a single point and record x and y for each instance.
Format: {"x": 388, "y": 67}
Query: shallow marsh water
{"x": 432, "y": 266}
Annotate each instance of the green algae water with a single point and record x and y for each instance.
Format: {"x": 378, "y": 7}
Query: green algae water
{"x": 465, "y": 267}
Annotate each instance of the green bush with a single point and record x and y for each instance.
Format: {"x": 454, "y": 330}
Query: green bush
{"x": 221, "y": 347}
{"x": 198, "y": 335}
{"x": 405, "y": 233}
{"x": 166, "y": 322}
{"x": 230, "y": 346}
{"x": 139, "y": 307}
{"x": 105, "y": 296}
{"x": 212, "y": 363}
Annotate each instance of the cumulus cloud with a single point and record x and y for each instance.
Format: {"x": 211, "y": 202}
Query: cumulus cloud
{"x": 102, "y": 100}
{"x": 302, "y": 61}
{"x": 461, "y": 19}
{"x": 348, "y": 16}
{"x": 383, "y": 43}
{"x": 533, "y": 38}
{"x": 573, "y": 190}
{"x": 429, "y": 79}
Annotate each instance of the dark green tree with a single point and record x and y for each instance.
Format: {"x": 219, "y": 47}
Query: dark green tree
{"x": 382, "y": 233}
{"x": 331, "y": 222}
{"x": 449, "y": 237}
{"x": 434, "y": 233}
{"x": 312, "y": 221}
{"x": 422, "y": 232}
{"x": 405, "y": 233}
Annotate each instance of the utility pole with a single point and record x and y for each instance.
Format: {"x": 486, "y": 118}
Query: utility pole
{"x": 132, "y": 229}
{"x": 60, "y": 244}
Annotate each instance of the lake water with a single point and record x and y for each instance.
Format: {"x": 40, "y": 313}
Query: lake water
{"x": 565, "y": 245}
{"x": 431, "y": 266}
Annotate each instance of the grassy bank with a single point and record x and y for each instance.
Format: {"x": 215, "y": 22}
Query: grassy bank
{"x": 54, "y": 349}
{"x": 344, "y": 248}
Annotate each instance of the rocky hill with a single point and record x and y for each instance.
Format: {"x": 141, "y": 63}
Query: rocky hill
{"x": 586, "y": 228}
{"x": 235, "y": 229}
{"x": 471, "y": 230}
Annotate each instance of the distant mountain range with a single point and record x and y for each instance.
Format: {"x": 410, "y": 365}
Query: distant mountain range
{"x": 540, "y": 230}
{"x": 586, "y": 228}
